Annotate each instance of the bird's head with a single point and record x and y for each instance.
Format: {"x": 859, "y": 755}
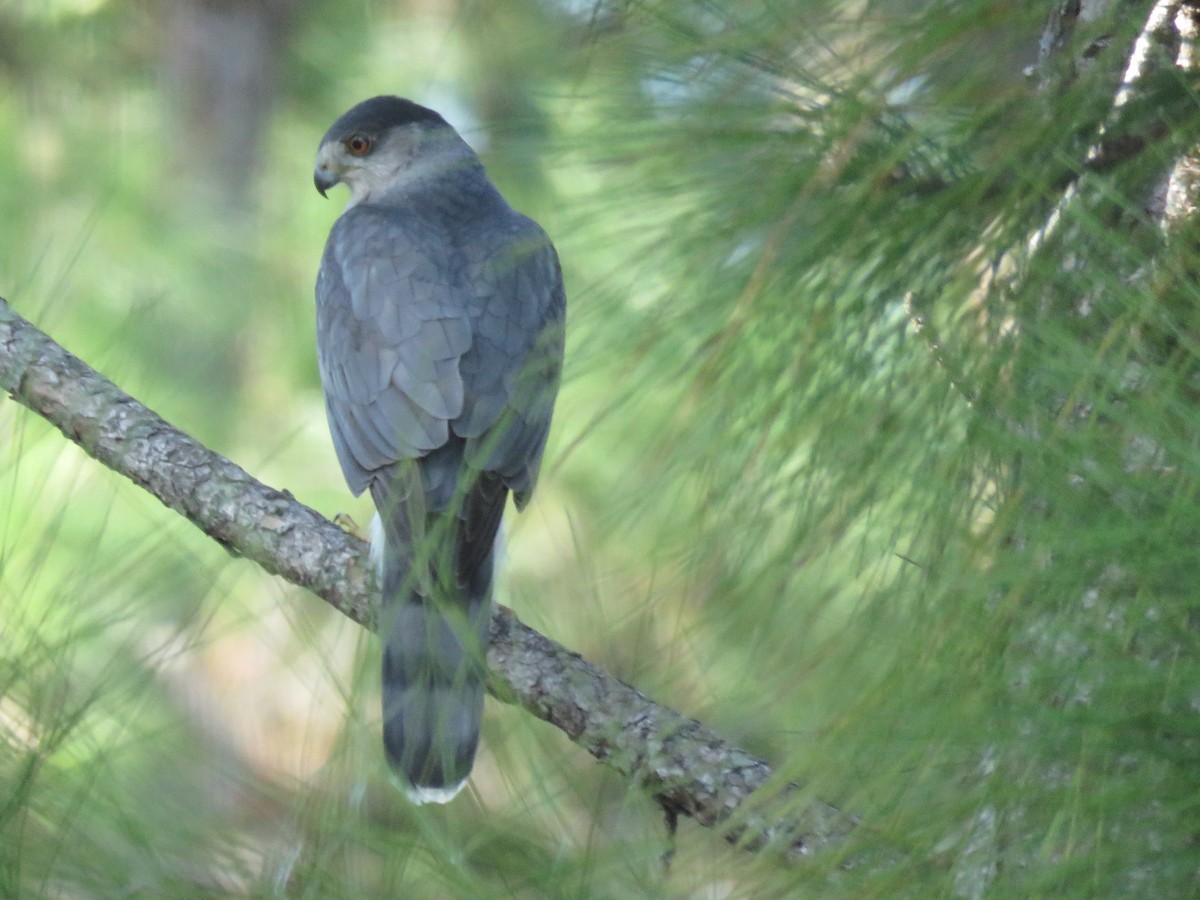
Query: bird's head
{"x": 383, "y": 143}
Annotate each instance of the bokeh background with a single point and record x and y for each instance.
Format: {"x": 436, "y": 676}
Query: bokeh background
{"x": 945, "y": 580}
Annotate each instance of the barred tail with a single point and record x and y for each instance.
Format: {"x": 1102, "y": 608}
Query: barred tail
{"x": 433, "y": 676}
{"x": 432, "y": 702}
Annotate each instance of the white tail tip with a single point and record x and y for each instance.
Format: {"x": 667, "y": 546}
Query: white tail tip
{"x": 419, "y": 796}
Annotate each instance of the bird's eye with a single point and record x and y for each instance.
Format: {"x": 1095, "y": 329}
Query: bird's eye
{"x": 358, "y": 144}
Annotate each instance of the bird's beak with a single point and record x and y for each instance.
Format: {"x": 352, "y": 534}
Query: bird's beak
{"x": 324, "y": 179}
{"x": 326, "y": 171}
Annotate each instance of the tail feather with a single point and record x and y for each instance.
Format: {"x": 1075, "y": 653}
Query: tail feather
{"x": 435, "y": 632}
{"x": 432, "y": 699}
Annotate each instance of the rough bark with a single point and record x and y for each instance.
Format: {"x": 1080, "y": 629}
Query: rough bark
{"x": 683, "y": 765}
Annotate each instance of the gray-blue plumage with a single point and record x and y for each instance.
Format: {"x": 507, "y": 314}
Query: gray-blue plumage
{"x": 439, "y": 333}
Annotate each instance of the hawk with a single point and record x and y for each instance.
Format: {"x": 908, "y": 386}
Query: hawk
{"x": 440, "y": 315}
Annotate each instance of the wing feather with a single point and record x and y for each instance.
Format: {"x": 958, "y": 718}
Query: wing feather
{"x": 427, "y": 336}
{"x": 389, "y": 338}
{"x": 514, "y": 366}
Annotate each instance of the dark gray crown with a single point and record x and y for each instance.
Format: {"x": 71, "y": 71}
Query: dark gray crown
{"x": 378, "y": 115}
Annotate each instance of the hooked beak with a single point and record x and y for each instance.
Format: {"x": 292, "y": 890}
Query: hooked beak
{"x": 327, "y": 170}
{"x": 323, "y": 179}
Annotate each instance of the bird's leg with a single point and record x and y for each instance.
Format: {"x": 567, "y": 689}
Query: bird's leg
{"x": 348, "y": 525}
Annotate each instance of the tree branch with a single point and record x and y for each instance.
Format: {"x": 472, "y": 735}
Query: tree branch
{"x": 684, "y": 766}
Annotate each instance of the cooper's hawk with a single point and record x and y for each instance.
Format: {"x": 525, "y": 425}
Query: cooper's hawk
{"x": 440, "y": 336}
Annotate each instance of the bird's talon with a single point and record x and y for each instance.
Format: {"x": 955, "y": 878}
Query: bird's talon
{"x": 348, "y": 525}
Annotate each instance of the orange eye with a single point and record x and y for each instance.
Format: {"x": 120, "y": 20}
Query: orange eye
{"x": 358, "y": 144}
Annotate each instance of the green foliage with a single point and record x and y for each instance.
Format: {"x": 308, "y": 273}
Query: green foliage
{"x": 944, "y": 579}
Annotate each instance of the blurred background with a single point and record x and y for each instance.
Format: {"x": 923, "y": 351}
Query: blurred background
{"x": 943, "y": 578}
